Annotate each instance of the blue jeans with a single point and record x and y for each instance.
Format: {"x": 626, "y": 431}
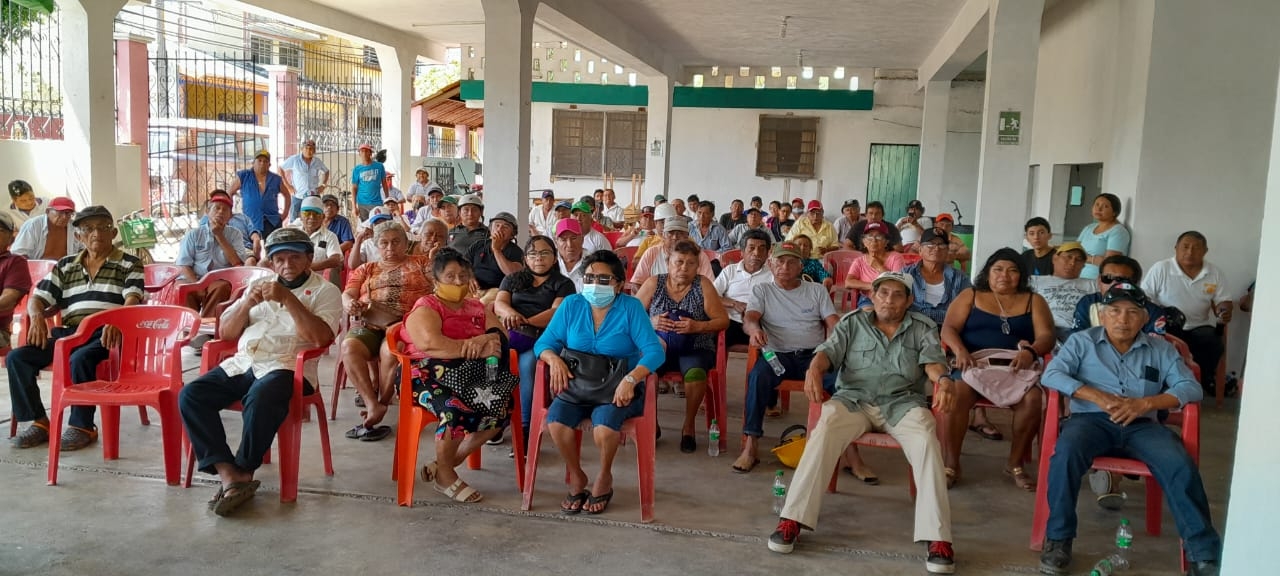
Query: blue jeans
{"x": 1089, "y": 435}
{"x": 762, "y": 384}
{"x": 25, "y": 363}
{"x": 527, "y": 362}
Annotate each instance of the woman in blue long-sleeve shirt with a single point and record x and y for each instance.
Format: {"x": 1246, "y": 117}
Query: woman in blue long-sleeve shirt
{"x": 600, "y": 321}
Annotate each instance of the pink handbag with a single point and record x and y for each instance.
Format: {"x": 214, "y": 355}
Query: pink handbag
{"x": 993, "y": 378}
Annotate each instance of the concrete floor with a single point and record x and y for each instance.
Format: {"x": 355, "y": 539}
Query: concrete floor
{"x": 119, "y": 517}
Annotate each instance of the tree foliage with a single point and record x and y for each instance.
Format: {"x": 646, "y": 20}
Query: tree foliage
{"x": 433, "y": 78}
{"x": 18, "y": 20}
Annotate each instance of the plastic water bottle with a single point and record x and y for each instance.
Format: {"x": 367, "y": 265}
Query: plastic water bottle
{"x": 491, "y": 369}
{"x": 779, "y": 493}
{"x": 713, "y": 439}
{"x": 772, "y": 358}
{"x": 1119, "y": 560}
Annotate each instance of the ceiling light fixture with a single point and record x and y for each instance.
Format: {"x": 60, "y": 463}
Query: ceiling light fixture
{"x": 697, "y": 80}
{"x": 853, "y": 83}
{"x": 577, "y": 55}
{"x": 806, "y": 72}
{"x": 631, "y": 78}
{"x": 617, "y": 69}
{"x": 744, "y": 71}
{"x": 564, "y": 44}
{"x": 715, "y": 70}
{"x": 839, "y": 73}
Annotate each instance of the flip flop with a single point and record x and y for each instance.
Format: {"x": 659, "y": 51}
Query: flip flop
{"x": 376, "y": 433}
{"x": 868, "y": 480}
{"x": 987, "y": 431}
{"x": 748, "y": 469}
{"x": 579, "y": 500}
{"x": 459, "y": 491}
{"x": 243, "y": 492}
{"x": 598, "y": 500}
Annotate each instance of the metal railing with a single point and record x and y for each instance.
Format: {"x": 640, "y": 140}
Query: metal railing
{"x": 30, "y": 74}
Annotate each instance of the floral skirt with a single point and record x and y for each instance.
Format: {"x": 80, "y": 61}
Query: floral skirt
{"x": 461, "y": 397}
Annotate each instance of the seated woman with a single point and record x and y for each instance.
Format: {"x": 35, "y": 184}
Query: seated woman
{"x": 811, "y": 268}
{"x": 379, "y": 294}
{"x": 685, "y": 310}
{"x": 526, "y": 301}
{"x": 456, "y": 335}
{"x": 876, "y": 259}
{"x": 999, "y": 312}
{"x": 600, "y": 321}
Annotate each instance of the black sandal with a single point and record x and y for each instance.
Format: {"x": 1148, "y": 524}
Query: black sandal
{"x": 599, "y": 500}
{"x": 228, "y": 503}
{"x": 573, "y": 503}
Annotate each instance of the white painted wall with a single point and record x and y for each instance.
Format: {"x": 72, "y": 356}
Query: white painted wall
{"x": 44, "y": 164}
{"x": 714, "y": 149}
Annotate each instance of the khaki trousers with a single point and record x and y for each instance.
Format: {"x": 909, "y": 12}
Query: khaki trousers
{"x": 837, "y": 427}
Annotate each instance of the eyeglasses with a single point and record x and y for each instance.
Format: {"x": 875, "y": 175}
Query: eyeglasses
{"x": 1112, "y": 278}
{"x": 601, "y": 279}
{"x": 540, "y": 254}
{"x": 932, "y": 246}
{"x": 86, "y": 230}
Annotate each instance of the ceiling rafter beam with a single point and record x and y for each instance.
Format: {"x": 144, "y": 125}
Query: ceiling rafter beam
{"x": 333, "y": 21}
{"x": 962, "y": 43}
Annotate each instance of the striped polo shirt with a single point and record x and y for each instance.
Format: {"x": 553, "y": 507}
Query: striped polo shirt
{"x": 70, "y": 289}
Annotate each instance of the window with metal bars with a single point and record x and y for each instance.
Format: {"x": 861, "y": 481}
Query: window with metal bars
{"x": 590, "y": 144}
{"x": 787, "y": 147}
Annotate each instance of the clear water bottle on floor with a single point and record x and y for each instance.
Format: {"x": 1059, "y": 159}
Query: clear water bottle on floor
{"x": 713, "y": 439}
{"x": 779, "y": 493}
{"x": 491, "y": 369}
{"x": 1118, "y": 561}
{"x": 772, "y": 358}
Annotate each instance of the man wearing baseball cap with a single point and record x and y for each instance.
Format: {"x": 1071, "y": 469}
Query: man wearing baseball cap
{"x": 49, "y": 236}
{"x": 422, "y": 184}
{"x": 369, "y": 183}
{"x": 850, "y": 213}
{"x": 661, "y": 213}
{"x": 1117, "y": 379}
{"x": 885, "y": 357}
{"x": 271, "y": 322}
{"x": 15, "y": 279}
{"x": 260, "y": 189}
{"x": 98, "y": 277}
{"x": 936, "y": 282}
{"x": 913, "y": 225}
{"x": 328, "y": 250}
{"x": 592, "y": 239}
{"x": 496, "y": 258}
{"x": 644, "y": 227}
{"x": 210, "y": 246}
{"x": 875, "y": 213}
{"x": 816, "y": 227}
{"x": 958, "y": 249}
{"x": 755, "y": 221}
{"x": 569, "y": 245}
{"x": 337, "y": 223}
{"x": 1064, "y": 289}
{"x": 542, "y": 219}
{"x": 470, "y": 229}
{"x": 304, "y": 174}
{"x": 789, "y": 318}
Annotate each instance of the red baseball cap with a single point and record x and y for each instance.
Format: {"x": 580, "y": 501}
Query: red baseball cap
{"x": 815, "y": 205}
{"x": 220, "y": 199}
{"x": 875, "y": 228}
{"x": 945, "y": 216}
{"x": 62, "y": 204}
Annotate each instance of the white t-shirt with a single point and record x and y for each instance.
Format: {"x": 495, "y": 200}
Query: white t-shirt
{"x": 271, "y": 341}
{"x": 594, "y": 241}
{"x": 543, "y": 222}
{"x": 1062, "y": 295}
{"x": 615, "y": 213}
{"x": 736, "y": 283}
{"x": 793, "y": 319}
{"x": 934, "y": 293}
{"x": 1195, "y": 297}
{"x": 326, "y": 244}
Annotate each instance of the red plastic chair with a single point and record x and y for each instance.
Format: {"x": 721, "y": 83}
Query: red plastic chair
{"x": 872, "y": 439}
{"x": 289, "y": 436}
{"x": 711, "y": 254}
{"x": 162, "y": 283}
{"x": 628, "y": 256}
{"x": 613, "y": 237}
{"x": 910, "y": 258}
{"x": 414, "y": 418}
{"x": 1190, "y": 423}
{"x": 239, "y": 278}
{"x": 838, "y": 263}
{"x": 340, "y": 373}
{"x": 784, "y": 389}
{"x": 643, "y": 430}
{"x": 149, "y": 362}
{"x": 730, "y": 257}
{"x": 716, "y": 399}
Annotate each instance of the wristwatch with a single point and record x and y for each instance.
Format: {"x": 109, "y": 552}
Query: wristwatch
{"x": 629, "y": 379}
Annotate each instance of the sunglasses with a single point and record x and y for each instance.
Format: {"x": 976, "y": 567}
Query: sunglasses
{"x": 1112, "y": 278}
{"x": 601, "y": 279}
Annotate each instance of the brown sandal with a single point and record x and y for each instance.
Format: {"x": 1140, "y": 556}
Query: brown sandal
{"x": 1021, "y": 479}
{"x": 953, "y": 476}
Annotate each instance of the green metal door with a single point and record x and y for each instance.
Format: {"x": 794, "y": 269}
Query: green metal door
{"x": 892, "y": 177}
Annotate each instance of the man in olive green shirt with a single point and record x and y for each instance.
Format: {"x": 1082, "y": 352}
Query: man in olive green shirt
{"x": 885, "y": 357}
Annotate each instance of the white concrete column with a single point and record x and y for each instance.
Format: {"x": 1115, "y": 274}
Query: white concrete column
{"x": 397, "y": 98}
{"x": 282, "y": 112}
{"x": 418, "y": 131}
{"x": 88, "y": 87}
{"x": 462, "y": 136}
{"x": 508, "y": 32}
{"x": 1013, "y": 47}
{"x": 933, "y": 145}
{"x": 658, "y": 166}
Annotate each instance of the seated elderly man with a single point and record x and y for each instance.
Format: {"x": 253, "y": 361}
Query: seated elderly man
{"x": 935, "y": 282}
{"x": 1117, "y": 379}
{"x": 754, "y": 221}
{"x": 328, "y": 250}
{"x": 661, "y": 213}
{"x": 654, "y": 261}
{"x": 790, "y": 318}
{"x": 99, "y": 277}
{"x": 493, "y": 260}
{"x": 1115, "y": 268}
{"x": 706, "y": 232}
{"x": 592, "y": 239}
{"x": 737, "y": 280}
{"x": 882, "y": 357}
{"x": 274, "y": 320}
{"x": 212, "y": 246}
{"x": 572, "y": 256}
{"x": 1200, "y": 290}
{"x": 1064, "y": 289}
{"x": 48, "y": 237}
{"x": 815, "y": 226}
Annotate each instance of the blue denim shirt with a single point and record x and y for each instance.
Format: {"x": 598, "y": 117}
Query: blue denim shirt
{"x": 625, "y": 333}
{"x": 953, "y": 281}
{"x": 1151, "y": 367}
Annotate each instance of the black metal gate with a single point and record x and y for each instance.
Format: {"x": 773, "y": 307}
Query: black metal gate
{"x": 30, "y": 74}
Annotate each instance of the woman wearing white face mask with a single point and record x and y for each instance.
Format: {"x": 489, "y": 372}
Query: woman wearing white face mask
{"x": 600, "y": 322}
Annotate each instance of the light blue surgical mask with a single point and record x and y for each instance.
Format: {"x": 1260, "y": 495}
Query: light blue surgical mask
{"x": 599, "y": 295}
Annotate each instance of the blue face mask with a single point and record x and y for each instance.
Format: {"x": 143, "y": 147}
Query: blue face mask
{"x": 598, "y": 295}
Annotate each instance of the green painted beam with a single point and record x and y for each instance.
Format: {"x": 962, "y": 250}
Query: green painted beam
{"x": 689, "y": 97}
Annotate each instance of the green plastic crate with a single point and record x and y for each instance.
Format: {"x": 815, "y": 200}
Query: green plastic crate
{"x": 138, "y": 233}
